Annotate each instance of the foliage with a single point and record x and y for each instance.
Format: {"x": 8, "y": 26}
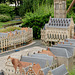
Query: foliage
{"x": 32, "y": 5}
{"x": 38, "y": 19}
{"x": 71, "y": 14}
{"x": 72, "y": 11}
{"x": 8, "y": 22}
{"x": 72, "y": 72}
{"x": 12, "y": 28}
{"x": 4, "y": 18}
{"x": 6, "y": 9}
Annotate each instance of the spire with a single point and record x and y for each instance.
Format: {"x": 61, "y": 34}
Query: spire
{"x": 71, "y": 6}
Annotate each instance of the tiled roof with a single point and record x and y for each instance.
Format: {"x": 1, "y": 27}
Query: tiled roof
{"x": 59, "y": 22}
{"x": 25, "y": 64}
{"x": 13, "y": 32}
{"x": 48, "y": 53}
{"x": 44, "y": 56}
{"x": 60, "y": 52}
{"x": 68, "y": 48}
{"x": 61, "y": 70}
{"x": 71, "y": 40}
{"x": 35, "y": 60}
{"x": 24, "y": 29}
{"x": 69, "y": 43}
{"x": 36, "y": 68}
{"x": 45, "y": 70}
{"x": 3, "y": 34}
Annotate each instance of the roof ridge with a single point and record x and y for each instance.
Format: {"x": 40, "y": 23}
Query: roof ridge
{"x": 58, "y": 67}
{"x": 66, "y": 53}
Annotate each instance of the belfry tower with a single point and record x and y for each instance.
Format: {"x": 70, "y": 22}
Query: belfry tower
{"x": 59, "y": 8}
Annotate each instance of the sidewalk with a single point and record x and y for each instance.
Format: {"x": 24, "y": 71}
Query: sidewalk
{"x": 19, "y": 47}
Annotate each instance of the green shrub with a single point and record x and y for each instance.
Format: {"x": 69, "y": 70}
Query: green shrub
{"x": 72, "y": 72}
{"x": 6, "y": 9}
{"x": 4, "y": 18}
{"x": 38, "y": 19}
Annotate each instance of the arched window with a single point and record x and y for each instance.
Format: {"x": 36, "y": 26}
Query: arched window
{"x": 60, "y": 36}
{"x": 66, "y": 36}
{"x": 55, "y": 36}
{"x": 47, "y": 36}
{"x": 63, "y": 36}
{"x": 50, "y": 35}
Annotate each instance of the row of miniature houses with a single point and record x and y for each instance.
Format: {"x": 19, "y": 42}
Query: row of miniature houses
{"x": 14, "y": 38}
{"x": 52, "y": 61}
{"x": 41, "y": 63}
{"x": 12, "y": 33}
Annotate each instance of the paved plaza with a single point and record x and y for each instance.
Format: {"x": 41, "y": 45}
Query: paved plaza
{"x": 29, "y": 49}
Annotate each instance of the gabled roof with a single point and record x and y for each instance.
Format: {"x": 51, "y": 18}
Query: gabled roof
{"x": 35, "y": 60}
{"x": 48, "y": 52}
{"x": 45, "y": 70}
{"x": 62, "y": 52}
{"x": 59, "y": 22}
{"x": 68, "y": 48}
{"x": 61, "y": 70}
{"x": 71, "y": 40}
{"x": 44, "y": 56}
{"x": 36, "y": 68}
{"x": 67, "y": 43}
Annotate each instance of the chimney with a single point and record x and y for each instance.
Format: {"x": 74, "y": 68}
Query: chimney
{"x": 66, "y": 40}
{"x": 59, "y": 42}
{"x": 42, "y": 50}
{"x": 38, "y": 51}
{"x": 63, "y": 42}
{"x": 34, "y": 64}
{"x": 48, "y": 49}
{"x": 70, "y": 43}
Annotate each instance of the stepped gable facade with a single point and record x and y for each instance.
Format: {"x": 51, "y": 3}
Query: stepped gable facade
{"x": 15, "y": 38}
{"x": 14, "y": 66}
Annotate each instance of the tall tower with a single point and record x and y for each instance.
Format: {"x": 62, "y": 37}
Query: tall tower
{"x": 59, "y": 8}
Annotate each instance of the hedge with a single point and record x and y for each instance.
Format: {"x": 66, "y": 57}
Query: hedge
{"x": 4, "y": 18}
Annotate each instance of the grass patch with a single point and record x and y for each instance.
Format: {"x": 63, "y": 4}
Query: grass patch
{"x": 9, "y": 22}
{"x": 11, "y": 28}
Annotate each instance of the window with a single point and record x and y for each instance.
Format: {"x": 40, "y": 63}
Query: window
{"x": 50, "y": 35}
{"x": 28, "y": 73}
{"x": 60, "y": 36}
{"x": 55, "y": 36}
{"x": 66, "y": 36}
{"x": 32, "y": 74}
{"x": 63, "y": 6}
{"x": 63, "y": 36}
{"x": 12, "y": 70}
{"x": 57, "y": 6}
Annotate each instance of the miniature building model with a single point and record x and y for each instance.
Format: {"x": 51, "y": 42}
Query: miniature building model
{"x": 15, "y": 38}
{"x": 16, "y": 67}
{"x": 59, "y": 27}
{"x": 60, "y": 8}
